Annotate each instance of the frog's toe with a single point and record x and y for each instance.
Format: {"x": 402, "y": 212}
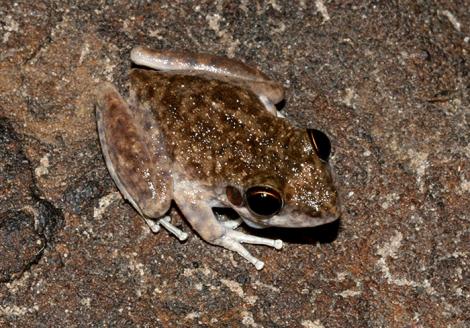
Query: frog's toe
{"x": 166, "y": 223}
{"x": 234, "y": 245}
{"x": 233, "y": 240}
{"x": 259, "y": 265}
{"x": 250, "y": 239}
{"x": 154, "y": 226}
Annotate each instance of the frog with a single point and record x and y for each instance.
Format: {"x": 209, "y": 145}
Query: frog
{"x": 201, "y": 132}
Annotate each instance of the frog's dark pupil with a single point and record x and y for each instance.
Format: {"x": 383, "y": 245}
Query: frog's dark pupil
{"x": 321, "y": 143}
{"x": 263, "y": 201}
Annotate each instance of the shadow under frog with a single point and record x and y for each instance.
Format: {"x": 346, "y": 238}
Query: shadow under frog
{"x": 203, "y": 131}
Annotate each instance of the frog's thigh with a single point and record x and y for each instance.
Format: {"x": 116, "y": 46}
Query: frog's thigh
{"x": 218, "y": 67}
{"x": 138, "y": 166}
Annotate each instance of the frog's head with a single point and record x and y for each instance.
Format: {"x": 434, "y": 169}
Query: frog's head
{"x": 306, "y": 197}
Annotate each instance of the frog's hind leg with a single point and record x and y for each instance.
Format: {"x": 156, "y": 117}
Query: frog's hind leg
{"x": 135, "y": 157}
{"x": 217, "y": 67}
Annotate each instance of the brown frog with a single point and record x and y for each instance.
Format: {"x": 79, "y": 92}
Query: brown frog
{"x": 203, "y": 131}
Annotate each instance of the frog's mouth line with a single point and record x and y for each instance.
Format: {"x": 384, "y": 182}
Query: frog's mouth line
{"x": 293, "y": 220}
{"x": 253, "y": 225}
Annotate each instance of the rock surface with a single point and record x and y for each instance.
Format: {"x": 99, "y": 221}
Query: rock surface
{"x": 389, "y": 82}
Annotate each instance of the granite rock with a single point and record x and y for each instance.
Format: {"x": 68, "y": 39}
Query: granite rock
{"x": 387, "y": 81}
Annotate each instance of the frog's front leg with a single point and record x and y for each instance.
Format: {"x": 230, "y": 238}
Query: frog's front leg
{"x": 226, "y": 69}
{"x": 202, "y": 219}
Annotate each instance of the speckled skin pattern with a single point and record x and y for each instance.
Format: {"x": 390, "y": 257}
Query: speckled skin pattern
{"x": 221, "y": 135}
{"x": 203, "y": 131}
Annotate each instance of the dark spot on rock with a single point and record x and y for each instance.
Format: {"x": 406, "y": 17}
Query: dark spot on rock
{"x": 49, "y": 218}
{"x": 177, "y": 307}
{"x": 19, "y": 245}
{"x": 82, "y": 194}
{"x": 243, "y": 279}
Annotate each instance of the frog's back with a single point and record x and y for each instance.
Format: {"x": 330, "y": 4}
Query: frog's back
{"x": 215, "y": 129}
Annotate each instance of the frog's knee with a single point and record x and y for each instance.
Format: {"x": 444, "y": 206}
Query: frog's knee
{"x": 154, "y": 209}
{"x": 211, "y": 234}
{"x": 210, "y": 230}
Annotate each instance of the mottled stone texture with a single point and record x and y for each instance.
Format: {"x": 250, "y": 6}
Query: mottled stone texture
{"x": 388, "y": 81}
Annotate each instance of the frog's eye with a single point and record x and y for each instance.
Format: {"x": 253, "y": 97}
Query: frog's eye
{"x": 263, "y": 201}
{"x": 321, "y": 143}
